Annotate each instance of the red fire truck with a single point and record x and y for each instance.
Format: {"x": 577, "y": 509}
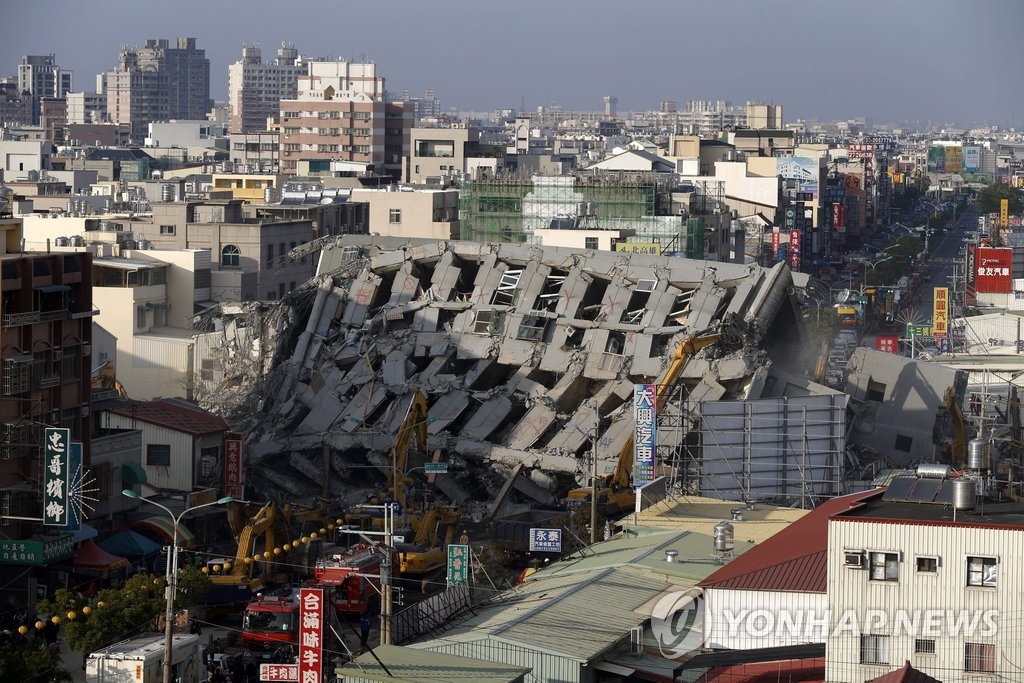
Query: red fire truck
{"x": 352, "y": 579}
{"x": 354, "y": 576}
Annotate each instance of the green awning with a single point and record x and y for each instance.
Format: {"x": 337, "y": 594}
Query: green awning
{"x": 133, "y": 473}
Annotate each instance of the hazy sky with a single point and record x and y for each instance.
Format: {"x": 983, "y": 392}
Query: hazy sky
{"x": 944, "y": 61}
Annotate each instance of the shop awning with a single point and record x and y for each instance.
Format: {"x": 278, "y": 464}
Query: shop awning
{"x": 91, "y": 556}
{"x": 130, "y": 544}
{"x": 164, "y": 527}
{"x": 86, "y": 532}
{"x": 133, "y": 473}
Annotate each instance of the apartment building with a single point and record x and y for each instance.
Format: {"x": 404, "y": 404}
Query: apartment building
{"x": 46, "y": 356}
{"x": 258, "y": 150}
{"x": 340, "y": 113}
{"x": 86, "y": 107}
{"x": 439, "y": 154}
{"x": 255, "y": 88}
{"x": 248, "y": 256}
{"x": 405, "y": 212}
{"x": 41, "y": 76}
{"x": 158, "y": 82}
{"x": 928, "y": 572}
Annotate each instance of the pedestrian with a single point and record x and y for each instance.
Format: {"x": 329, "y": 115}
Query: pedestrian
{"x": 364, "y": 630}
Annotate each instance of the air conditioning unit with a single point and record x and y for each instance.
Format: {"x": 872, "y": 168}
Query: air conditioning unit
{"x": 853, "y": 559}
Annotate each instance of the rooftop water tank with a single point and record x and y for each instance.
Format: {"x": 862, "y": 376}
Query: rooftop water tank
{"x": 77, "y": 241}
{"x": 724, "y": 537}
{"x": 61, "y": 242}
{"x": 965, "y": 494}
{"x": 107, "y": 226}
{"x": 978, "y": 455}
{"x": 143, "y": 244}
{"x": 931, "y": 470}
{"x": 33, "y": 176}
{"x": 167, "y": 192}
{"x": 128, "y": 244}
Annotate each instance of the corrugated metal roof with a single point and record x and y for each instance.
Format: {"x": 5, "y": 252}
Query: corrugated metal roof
{"x": 905, "y": 674}
{"x": 700, "y": 515}
{"x": 409, "y": 664}
{"x": 175, "y": 414}
{"x": 791, "y": 560}
{"x": 572, "y": 615}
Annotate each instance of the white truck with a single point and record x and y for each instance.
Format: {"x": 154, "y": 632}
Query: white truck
{"x": 141, "y": 660}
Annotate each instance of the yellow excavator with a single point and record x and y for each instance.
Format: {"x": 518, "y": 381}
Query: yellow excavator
{"x": 432, "y": 526}
{"x": 616, "y": 493}
{"x": 951, "y": 402}
{"x": 105, "y": 378}
{"x": 256, "y": 564}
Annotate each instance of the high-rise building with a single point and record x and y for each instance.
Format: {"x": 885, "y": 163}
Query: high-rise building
{"x": 15, "y": 106}
{"x": 255, "y": 88}
{"x": 158, "y": 82}
{"x": 340, "y": 113}
{"x": 41, "y": 76}
{"x": 611, "y": 104}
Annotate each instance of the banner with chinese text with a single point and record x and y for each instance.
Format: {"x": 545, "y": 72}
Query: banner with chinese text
{"x": 645, "y": 416}
{"x": 57, "y": 462}
{"x": 311, "y": 635}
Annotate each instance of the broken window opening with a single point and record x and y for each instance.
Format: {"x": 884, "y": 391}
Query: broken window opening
{"x": 659, "y": 345}
{"x": 590, "y": 305}
{"x": 484, "y": 322}
{"x": 681, "y": 308}
{"x": 532, "y": 327}
{"x": 645, "y": 286}
{"x": 573, "y": 337}
{"x": 548, "y": 299}
{"x": 875, "y": 392}
{"x": 633, "y": 317}
{"x": 505, "y": 294}
{"x": 616, "y": 343}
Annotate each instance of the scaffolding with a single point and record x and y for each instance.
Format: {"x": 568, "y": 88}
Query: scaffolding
{"x": 512, "y": 209}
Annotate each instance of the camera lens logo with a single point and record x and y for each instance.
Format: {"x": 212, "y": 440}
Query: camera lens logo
{"x": 676, "y": 625}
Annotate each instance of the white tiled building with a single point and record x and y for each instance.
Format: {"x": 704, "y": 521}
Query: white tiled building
{"x": 908, "y": 582}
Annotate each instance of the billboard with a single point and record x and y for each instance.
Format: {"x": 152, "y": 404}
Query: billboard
{"x": 638, "y": 248}
{"x": 972, "y": 159}
{"x": 794, "y": 251}
{"x": 56, "y": 505}
{"x": 645, "y": 416}
{"x": 940, "y": 312}
{"x": 311, "y": 635}
{"x": 234, "y": 475}
{"x": 1004, "y": 213}
{"x": 970, "y": 293}
{"x": 887, "y": 343}
{"x": 862, "y": 150}
{"x": 993, "y": 272}
{"x": 954, "y": 159}
{"x": 776, "y": 243}
{"x": 838, "y": 216}
{"x": 937, "y": 159}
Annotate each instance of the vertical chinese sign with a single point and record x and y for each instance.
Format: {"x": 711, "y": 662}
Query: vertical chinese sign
{"x": 458, "y": 564}
{"x": 940, "y": 314}
{"x": 776, "y": 244}
{"x": 311, "y": 635}
{"x": 645, "y": 416}
{"x": 234, "y": 476}
{"x": 57, "y": 454}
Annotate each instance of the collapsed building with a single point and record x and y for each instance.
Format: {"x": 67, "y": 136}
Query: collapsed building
{"x": 528, "y": 357}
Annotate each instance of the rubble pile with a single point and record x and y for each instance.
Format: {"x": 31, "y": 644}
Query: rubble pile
{"x": 521, "y": 350}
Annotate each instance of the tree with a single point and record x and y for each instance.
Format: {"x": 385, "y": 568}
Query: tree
{"x": 27, "y": 658}
{"x": 991, "y": 196}
{"x": 118, "y": 613}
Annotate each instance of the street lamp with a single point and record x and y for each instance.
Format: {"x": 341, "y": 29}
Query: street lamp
{"x": 871, "y": 265}
{"x": 172, "y": 572}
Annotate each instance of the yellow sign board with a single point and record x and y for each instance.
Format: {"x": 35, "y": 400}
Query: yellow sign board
{"x": 1004, "y": 213}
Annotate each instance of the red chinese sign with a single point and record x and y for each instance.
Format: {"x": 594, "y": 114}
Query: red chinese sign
{"x": 776, "y": 239}
{"x": 993, "y": 270}
{"x": 794, "y": 250}
{"x": 311, "y": 635}
{"x": 279, "y": 672}
{"x": 234, "y": 477}
{"x": 838, "y": 216}
{"x": 887, "y": 343}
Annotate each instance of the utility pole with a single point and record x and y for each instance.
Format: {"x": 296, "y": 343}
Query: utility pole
{"x": 593, "y": 477}
{"x": 386, "y": 569}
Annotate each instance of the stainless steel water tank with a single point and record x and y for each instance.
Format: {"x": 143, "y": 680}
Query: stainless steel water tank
{"x": 965, "y": 494}
{"x": 978, "y": 455}
{"x": 931, "y": 470}
{"x": 167, "y": 192}
{"x": 60, "y": 241}
{"x": 107, "y": 226}
{"x": 724, "y": 537}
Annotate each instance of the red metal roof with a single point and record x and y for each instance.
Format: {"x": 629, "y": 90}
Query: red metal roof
{"x": 791, "y": 671}
{"x": 175, "y": 414}
{"x": 905, "y": 674}
{"x": 791, "y": 560}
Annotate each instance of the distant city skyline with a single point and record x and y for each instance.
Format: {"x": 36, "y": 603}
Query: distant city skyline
{"x": 911, "y": 62}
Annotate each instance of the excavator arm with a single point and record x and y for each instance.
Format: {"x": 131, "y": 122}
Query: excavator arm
{"x": 413, "y": 425}
{"x": 622, "y": 475}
